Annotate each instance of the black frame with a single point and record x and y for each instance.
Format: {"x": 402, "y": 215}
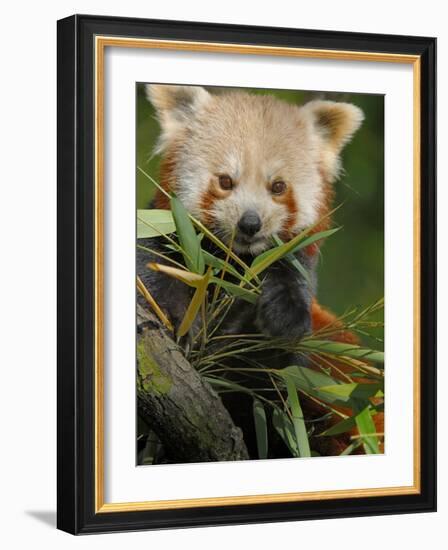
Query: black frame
{"x": 75, "y": 474}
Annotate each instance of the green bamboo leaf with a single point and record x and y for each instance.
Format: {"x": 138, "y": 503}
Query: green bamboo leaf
{"x": 261, "y": 430}
{"x": 306, "y": 242}
{"x": 154, "y": 223}
{"x": 212, "y": 237}
{"x": 222, "y": 265}
{"x": 297, "y": 419}
{"x": 294, "y": 262}
{"x": 195, "y": 304}
{"x": 309, "y": 380}
{"x": 352, "y": 390}
{"x": 347, "y": 424}
{"x": 285, "y": 429}
{"x": 236, "y": 290}
{"x": 297, "y": 265}
{"x": 340, "y": 348}
{"x": 319, "y": 236}
{"x": 262, "y": 257}
{"x": 367, "y": 429}
{"x": 266, "y": 259}
{"x": 341, "y": 427}
{"x": 188, "y": 239}
{"x": 305, "y": 376}
{"x": 375, "y": 356}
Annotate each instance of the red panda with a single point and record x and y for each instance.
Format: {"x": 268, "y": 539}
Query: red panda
{"x": 253, "y": 166}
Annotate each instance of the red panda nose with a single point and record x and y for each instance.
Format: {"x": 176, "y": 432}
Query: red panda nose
{"x": 249, "y": 223}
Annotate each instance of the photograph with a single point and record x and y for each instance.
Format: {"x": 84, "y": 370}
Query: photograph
{"x": 260, "y": 274}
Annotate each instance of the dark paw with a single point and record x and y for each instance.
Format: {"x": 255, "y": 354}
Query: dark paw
{"x": 283, "y": 312}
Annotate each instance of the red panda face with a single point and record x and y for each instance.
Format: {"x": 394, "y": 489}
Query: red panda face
{"x": 250, "y": 166}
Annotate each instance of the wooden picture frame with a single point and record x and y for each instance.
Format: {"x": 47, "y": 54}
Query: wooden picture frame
{"x": 82, "y": 41}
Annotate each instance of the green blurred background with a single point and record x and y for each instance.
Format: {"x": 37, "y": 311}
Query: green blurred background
{"x": 351, "y": 268}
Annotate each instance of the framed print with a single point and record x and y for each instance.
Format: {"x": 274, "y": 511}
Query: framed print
{"x": 246, "y": 274}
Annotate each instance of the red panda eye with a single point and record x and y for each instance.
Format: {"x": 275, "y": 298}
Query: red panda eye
{"x": 226, "y": 182}
{"x": 278, "y": 187}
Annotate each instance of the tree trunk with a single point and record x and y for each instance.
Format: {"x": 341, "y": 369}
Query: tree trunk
{"x": 184, "y": 411}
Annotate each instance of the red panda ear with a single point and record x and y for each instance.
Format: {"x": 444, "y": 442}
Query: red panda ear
{"x": 335, "y": 122}
{"x": 175, "y": 107}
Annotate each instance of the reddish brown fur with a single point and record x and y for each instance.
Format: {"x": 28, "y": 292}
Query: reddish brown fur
{"x": 323, "y": 210}
{"x": 322, "y": 318}
{"x": 206, "y": 203}
{"x": 167, "y": 180}
{"x": 322, "y": 214}
{"x": 289, "y": 200}
{"x": 208, "y": 199}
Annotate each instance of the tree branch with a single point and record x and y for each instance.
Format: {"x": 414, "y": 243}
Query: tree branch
{"x": 184, "y": 411}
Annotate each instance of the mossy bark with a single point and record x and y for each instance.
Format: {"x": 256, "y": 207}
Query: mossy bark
{"x": 187, "y": 415}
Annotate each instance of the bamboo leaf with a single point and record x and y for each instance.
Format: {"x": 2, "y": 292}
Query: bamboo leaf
{"x": 285, "y": 429}
{"x": 189, "y": 241}
{"x": 341, "y": 427}
{"x": 264, "y": 260}
{"x": 297, "y": 419}
{"x": 353, "y": 390}
{"x": 348, "y": 450}
{"x": 187, "y": 277}
{"x": 154, "y": 223}
{"x": 308, "y": 377}
{"x": 367, "y": 429}
{"x": 309, "y": 380}
{"x": 274, "y": 254}
{"x": 260, "y": 428}
{"x": 319, "y": 236}
{"x": 152, "y": 302}
{"x": 347, "y": 424}
{"x": 218, "y": 383}
{"x": 195, "y": 304}
{"x": 306, "y": 242}
{"x": 236, "y": 290}
{"x": 222, "y": 265}
{"x": 294, "y": 262}
{"x": 212, "y": 237}
{"x": 340, "y": 348}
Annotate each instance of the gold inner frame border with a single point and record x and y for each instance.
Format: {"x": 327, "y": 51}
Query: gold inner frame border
{"x": 101, "y": 43}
